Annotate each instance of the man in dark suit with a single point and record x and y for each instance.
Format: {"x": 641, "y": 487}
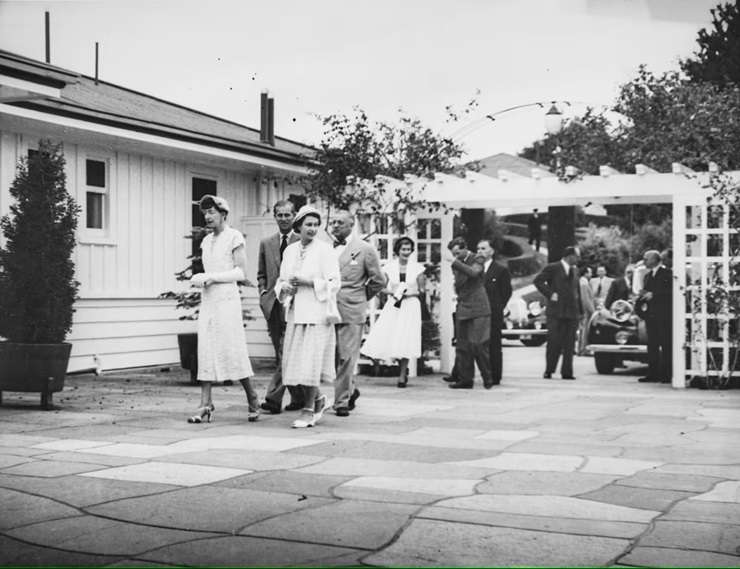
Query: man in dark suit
{"x": 621, "y": 289}
{"x": 558, "y": 283}
{"x": 534, "y": 225}
{"x": 658, "y": 293}
{"x": 268, "y": 270}
{"x": 497, "y": 282}
{"x": 472, "y": 317}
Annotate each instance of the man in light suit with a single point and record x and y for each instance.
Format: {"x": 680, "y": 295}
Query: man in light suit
{"x": 362, "y": 279}
{"x": 497, "y": 281}
{"x": 600, "y": 286}
{"x": 268, "y": 270}
{"x": 558, "y": 283}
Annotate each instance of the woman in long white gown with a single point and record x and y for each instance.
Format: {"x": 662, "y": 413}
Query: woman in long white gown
{"x": 396, "y": 333}
{"x": 222, "y": 345}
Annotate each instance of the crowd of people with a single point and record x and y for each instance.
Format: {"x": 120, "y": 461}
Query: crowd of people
{"x": 314, "y": 296}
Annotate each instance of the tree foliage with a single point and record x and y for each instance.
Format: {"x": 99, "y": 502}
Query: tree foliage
{"x": 37, "y": 284}
{"x": 354, "y": 148}
{"x": 718, "y": 59}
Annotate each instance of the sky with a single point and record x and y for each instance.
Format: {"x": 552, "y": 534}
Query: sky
{"x": 318, "y": 57}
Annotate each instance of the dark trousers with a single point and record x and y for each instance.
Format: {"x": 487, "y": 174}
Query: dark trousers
{"x": 561, "y": 339}
{"x": 276, "y": 389}
{"x": 496, "y": 353}
{"x": 535, "y": 238}
{"x": 472, "y": 348}
{"x": 660, "y": 354}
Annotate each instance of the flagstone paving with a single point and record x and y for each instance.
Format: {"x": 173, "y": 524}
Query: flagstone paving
{"x": 602, "y": 471}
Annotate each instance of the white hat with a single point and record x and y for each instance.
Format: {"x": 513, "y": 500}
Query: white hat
{"x": 220, "y": 203}
{"x": 306, "y": 210}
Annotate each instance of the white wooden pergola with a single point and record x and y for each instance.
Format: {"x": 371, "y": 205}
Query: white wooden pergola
{"x": 700, "y": 247}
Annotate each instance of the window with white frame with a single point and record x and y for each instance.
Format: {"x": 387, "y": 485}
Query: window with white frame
{"x": 96, "y": 185}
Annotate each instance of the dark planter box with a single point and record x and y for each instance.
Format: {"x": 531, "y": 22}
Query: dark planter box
{"x": 34, "y": 368}
{"x": 188, "y": 344}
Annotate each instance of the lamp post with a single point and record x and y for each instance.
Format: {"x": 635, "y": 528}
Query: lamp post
{"x": 561, "y": 220}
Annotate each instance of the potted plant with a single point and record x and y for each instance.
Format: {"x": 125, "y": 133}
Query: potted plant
{"x": 37, "y": 284}
{"x": 188, "y": 300}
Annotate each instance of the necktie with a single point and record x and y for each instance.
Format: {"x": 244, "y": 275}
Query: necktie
{"x": 283, "y": 245}
{"x": 340, "y": 242}
{"x": 598, "y": 289}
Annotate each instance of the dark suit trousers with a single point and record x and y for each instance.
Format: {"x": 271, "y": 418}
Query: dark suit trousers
{"x": 276, "y": 389}
{"x": 472, "y": 347}
{"x": 660, "y": 354}
{"x": 496, "y": 353}
{"x": 561, "y": 339}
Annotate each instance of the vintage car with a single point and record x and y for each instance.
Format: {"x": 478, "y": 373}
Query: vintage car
{"x": 525, "y": 322}
{"x": 616, "y": 335}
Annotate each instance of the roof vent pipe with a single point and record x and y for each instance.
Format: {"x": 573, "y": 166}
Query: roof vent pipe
{"x": 271, "y": 121}
{"x": 263, "y": 116}
{"x": 48, "y": 39}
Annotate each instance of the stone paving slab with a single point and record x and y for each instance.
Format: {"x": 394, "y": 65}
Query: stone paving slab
{"x": 431, "y": 438}
{"x": 731, "y": 472}
{"x": 667, "y": 557}
{"x": 552, "y": 506}
{"x": 21, "y": 451}
{"x": 81, "y": 492}
{"x": 688, "y": 454}
{"x": 366, "y": 494}
{"x": 620, "y": 466}
{"x": 99, "y": 536}
{"x": 439, "y": 486}
{"x": 8, "y": 460}
{"x": 544, "y": 446}
{"x": 540, "y": 483}
{"x": 728, "y": 491}
{"x": 21, "y": 508}
{"x": 429, "y": 543}
{"x": 698, "y": 511}
{"x": 720, "y": 538}
{"x": 288, "y": 482}
{"x": 626, "y": 530}
{"x": 17, "y": 553}
{"x": 379, "y": 523}
{"x": 70, "y": 444}
{"x": 665, "y": 481}
{"x": 242, "y": 551}
{"x": 525, "y": 461}
{"x": 370, "y": 467}
{"x": 99, "y": 459}
{"x": 168, "y": 473}
{"x": 51, "y": 468}
{"x": 245, "y": 460}
{"x": 207, "y": 508}
{"x": 641, "y": 498}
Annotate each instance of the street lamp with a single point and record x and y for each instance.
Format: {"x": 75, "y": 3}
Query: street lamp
{"x": 553, "y": 120}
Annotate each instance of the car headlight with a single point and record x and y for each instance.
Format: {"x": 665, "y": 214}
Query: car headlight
{"x": 622, "y": 310}
{"x": 535, "y": 308}
{"x": 622, "y": 337}
{"x": 509, "y": 325}
{"x": 537, "y": 325}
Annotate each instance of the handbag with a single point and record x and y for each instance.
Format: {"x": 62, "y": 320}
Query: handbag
{"x": 332, "y": 311}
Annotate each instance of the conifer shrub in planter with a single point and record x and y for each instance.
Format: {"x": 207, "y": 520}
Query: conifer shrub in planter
{"x": 37, "y": 284}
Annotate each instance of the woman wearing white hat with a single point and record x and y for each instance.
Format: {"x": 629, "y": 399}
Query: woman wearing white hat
{"x": 307, "y": 287}
{"x": 222, "y": 345}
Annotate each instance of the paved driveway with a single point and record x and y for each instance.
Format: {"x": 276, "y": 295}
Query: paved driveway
{"x": 600, "y": 471}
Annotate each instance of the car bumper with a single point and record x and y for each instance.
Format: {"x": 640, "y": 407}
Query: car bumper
{"x": 616, "y": 349}
{"x": 523, "y": 332}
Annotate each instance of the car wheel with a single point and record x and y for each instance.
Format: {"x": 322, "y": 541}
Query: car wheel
{"x": 604, "y": 363}
{"x": 534, "y": 342}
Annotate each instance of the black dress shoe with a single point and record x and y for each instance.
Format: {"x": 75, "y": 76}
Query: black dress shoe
{"x": 274, "y": 409}
{"x": 547, "y": 375}
{"x": 449, "y": 379}
{"x": 459, "y": 385}
{"x": 568, "y": 377}
{"x": 647, "y": 380}
{"x": 341, "y": 412}
{"x": 294, "y": 406}
{"x": 352, "y": 398}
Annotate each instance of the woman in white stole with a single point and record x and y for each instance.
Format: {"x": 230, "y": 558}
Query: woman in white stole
{"x": 396, "y": 333}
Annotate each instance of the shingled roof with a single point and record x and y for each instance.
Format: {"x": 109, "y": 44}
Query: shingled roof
{"x": 112, "y": 105}
{"x": 516, "y": 164}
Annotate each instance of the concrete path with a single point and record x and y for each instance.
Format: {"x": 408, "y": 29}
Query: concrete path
{"x": 601, "y": 471}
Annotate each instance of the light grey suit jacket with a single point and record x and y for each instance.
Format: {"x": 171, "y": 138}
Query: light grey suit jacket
{"x": 362, "y": 279}
{"x": 268, "y": 270}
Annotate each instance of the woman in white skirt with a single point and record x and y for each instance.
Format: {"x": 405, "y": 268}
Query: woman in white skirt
{"x": 397, "y": 331}
{"x": 222, "y": 345}
{"x": 307, "y": 287}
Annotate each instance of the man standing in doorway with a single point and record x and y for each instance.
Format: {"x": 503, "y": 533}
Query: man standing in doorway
{"x": 535, "y": 229}
{"x": 472, "y": 317}
{"x": 600, "y": 286}
{"x": 362, "y": 279}
{"x": 558, "y": 283}
{"x": 497, "y": 282}
{"x": 268, "y": 270}
{"x": 658, "y": 293}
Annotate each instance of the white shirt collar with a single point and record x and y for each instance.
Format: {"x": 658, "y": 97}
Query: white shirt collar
{"x": 487, "y": 264}
{"x": 566, "y": 266}
{"x": 655, "y": 270}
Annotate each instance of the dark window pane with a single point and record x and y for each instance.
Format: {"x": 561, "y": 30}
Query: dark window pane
{"x": 32, "y": 153}
{"x": 201, "y": 187}
{"x": 95, "y": 173}
{"x": 421, "y": 229}
{"x": 421, "y": 254}
{"x": 94, "y": 210}
{"x": 436, "y": 229}
{"x": 436, "y": 253}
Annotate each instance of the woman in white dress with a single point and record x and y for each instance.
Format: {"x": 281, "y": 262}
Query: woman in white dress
{"x": 307, "y": 286}
{"x": 397, "y": 331}
{"x": 222, "y": 345}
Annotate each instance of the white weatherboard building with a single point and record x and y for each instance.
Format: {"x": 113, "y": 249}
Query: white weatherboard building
{"x": 137, "y": 165}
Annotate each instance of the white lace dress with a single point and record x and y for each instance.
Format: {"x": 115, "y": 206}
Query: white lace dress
{"x": 222, "y": 344}
{"x": 397, "y": 331}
